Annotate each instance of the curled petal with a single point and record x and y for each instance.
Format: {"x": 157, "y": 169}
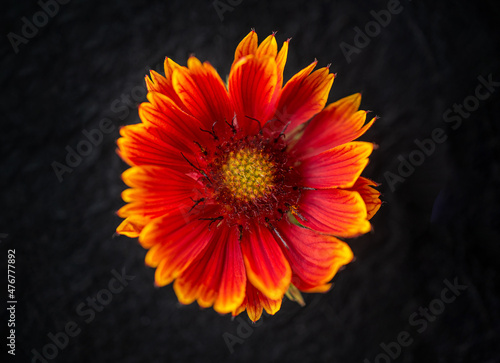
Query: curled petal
{"x": 132, "y": 226}
{"x": 371, "y": 196}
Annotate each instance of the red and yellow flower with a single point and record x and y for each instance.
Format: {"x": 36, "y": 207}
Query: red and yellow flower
{"x": 240, "y": 192}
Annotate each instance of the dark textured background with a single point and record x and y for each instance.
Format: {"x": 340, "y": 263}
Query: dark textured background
{"x": 441, "y": 223}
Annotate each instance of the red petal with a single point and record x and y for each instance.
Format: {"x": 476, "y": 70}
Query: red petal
{"x": 217, "y": 277}
{"x": 267, "y": 48}
{"x": 143, "y": 145}
{"x": 157, "y": 191}
{"x": 334, "y": 211}
{"x": 233, "y": 285}
{"x": 203, "y": 93}
{"x": 304, "y": 95}
{"x": 314, "y": 258}
{"x": 370, "y": 196}
{"x": 179, "y": 239}
{"x": 179, "y": 128}
{"x": 267, "y": 268}
{"x": 163, "y": 85}
{"x": 253, "y": 91}
{"x": 202, "y": 279}
{"x": 337, "y": 124}
{"x": 339, "y": 167}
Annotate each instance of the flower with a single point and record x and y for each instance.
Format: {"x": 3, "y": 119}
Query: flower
{"x": 241, "y": 193}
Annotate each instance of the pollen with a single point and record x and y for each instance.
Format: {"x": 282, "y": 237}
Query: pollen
{"x": 248, "y": 174}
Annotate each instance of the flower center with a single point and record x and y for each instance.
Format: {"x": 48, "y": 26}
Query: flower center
{"x": 248, "y": 174}
{"x": 251, "y": 177}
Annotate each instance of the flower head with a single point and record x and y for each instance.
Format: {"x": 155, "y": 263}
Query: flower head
{"x": 241, "y": 192}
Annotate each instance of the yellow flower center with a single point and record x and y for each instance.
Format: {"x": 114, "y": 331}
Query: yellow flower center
{"x": 248, "y": 174}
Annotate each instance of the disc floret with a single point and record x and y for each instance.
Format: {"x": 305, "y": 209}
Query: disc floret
{"x": 248, "y": 174}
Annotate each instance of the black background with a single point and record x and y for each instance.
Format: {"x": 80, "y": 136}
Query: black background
{"x": 441, "y": 223}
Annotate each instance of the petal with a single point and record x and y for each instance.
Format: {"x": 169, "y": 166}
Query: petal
{"x": 267, "y": 268}
{"x": 163, "y": 85}
{"x": 291, "y": 87}
{"x": 179, "y": 128}
{"x": 179, "y": 241}
{"x": 152, "y": 257}
{"x": 203, "y": 93}
{"x": 247, "y": 46}
{"x": 304, "y": 95}
{"x": 252, "y": 89}
{"x": 157, "y": 191}
{"x": 217, "y": 277}
{"x": 339, "y": 167}
{"x": 314, "y": 258}
{"x": 268, "y": 47}
{"x": 146, "y": 145}
{"x": 281, "y": 60}
{"x": 202, "y": 279}
{"x": 171, "y": 223}
{"x": 233, "y": 285}
{"x": 370, "y": 196}
{"x": 255, "y": 301}
{"x": 337, "y": 124}
{"x": 132, "y": 226}
{"x": 337, "y": 212}
{"x": 313, "y": 289}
